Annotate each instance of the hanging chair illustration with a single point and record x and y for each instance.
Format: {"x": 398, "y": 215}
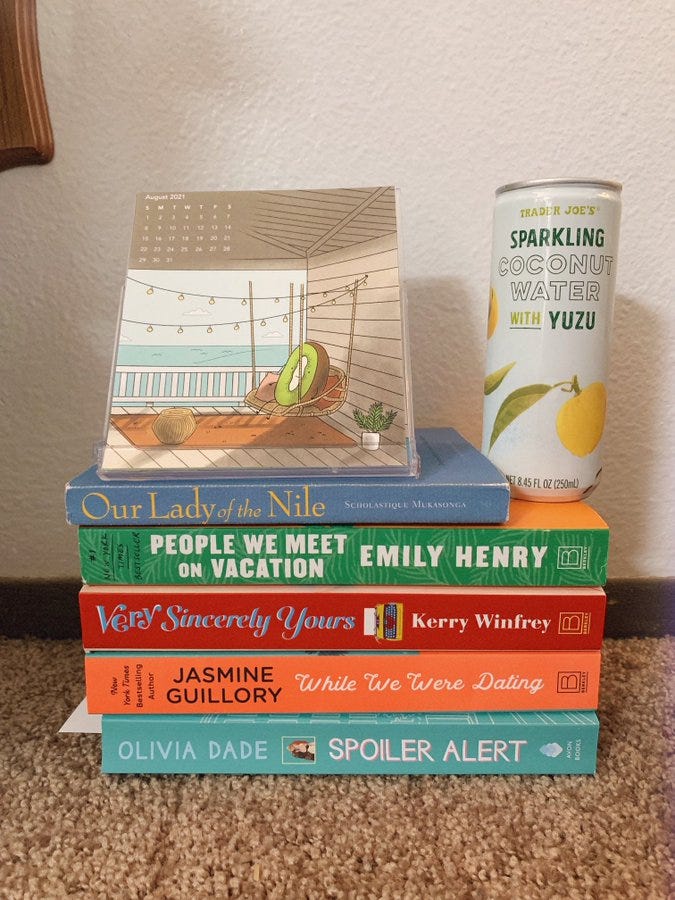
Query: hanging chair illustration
{"x": 308, "y": 384}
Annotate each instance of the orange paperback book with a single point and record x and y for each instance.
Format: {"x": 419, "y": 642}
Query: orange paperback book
{"x": 431, "y": 681}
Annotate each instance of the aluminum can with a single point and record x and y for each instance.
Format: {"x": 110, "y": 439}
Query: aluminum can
{"x": 554, "y": 258}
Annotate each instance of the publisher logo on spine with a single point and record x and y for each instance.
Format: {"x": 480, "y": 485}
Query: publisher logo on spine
{"x": 573, "y": 556}
{"x": 572, "y": 682}
{"x": 574, "y": 623}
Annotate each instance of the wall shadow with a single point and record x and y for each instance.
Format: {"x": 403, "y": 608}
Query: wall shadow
{"x": 447, "y": 352}
{"x": 632, "y": 441}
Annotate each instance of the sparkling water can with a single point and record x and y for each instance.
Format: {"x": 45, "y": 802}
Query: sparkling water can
{"x": 554, "y": 257}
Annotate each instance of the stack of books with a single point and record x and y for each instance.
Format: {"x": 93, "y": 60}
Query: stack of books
{"x": 373, "y": 624}
{"x": 285, "y": 594}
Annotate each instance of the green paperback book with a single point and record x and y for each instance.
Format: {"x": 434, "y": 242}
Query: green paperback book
{"x": 498, "y": 743}
{"x": 542, "y": 544}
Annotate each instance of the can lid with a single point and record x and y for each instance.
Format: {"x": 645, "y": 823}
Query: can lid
{"x": 553, "y": 182}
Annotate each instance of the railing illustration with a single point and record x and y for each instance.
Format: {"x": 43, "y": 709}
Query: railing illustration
{"x": 188, "y": 386}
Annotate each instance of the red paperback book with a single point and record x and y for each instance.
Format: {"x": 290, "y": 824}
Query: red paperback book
{"x": 342, "y": 618}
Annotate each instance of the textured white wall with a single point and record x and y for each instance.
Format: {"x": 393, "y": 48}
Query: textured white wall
{"x": 445, "y": 100}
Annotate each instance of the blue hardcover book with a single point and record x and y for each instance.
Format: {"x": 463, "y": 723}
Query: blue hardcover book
{"x": 457, "y": 485}
{"x": 485, "y": 743}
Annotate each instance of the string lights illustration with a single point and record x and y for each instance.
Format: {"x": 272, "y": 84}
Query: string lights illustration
{"x": 181, "y": 295}
{"x": 330, "y": 297}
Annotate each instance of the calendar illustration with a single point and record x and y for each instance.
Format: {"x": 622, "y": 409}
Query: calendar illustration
{"x": 264, "y": 332}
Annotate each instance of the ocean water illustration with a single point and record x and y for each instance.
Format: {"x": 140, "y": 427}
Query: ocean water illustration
{"x": 270, "y": 356}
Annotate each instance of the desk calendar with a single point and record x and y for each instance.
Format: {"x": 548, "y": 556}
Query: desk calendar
{"x": 261, "y": 331}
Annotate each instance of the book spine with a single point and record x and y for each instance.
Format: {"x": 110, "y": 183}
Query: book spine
{"x": 288, "y": 504}
{"x": 306, "y": 618}
{"x": 454, "y": 555}
{"x": 355, "y": 682}
{"x": 443, "y": 745}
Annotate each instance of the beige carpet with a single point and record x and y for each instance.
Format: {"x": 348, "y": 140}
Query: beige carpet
{"x": 66, "y": 831}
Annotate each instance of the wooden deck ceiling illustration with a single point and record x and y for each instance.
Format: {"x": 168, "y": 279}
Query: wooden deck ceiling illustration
{"x": 313, "y": 222}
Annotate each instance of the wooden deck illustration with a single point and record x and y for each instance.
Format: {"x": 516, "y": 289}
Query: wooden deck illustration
{"x": 122, "y": 455}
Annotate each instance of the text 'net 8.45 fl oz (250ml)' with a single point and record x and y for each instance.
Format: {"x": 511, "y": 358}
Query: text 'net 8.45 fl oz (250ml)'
{"x": 552, "y": 283}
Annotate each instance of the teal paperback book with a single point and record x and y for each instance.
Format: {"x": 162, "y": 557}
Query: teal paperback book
{"x": 485, "y": 743}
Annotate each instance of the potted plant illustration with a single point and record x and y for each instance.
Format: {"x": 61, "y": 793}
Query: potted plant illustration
{"x": 372, "y": 423}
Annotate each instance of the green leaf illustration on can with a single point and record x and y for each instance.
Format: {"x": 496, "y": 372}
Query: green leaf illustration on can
{"x": 493, "y": 381}
{"x": 516, "y": 403}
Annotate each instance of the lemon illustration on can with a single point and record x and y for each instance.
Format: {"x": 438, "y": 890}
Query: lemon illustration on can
{"x": 581, "y": 419}
{"x": 493, "y": 313}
